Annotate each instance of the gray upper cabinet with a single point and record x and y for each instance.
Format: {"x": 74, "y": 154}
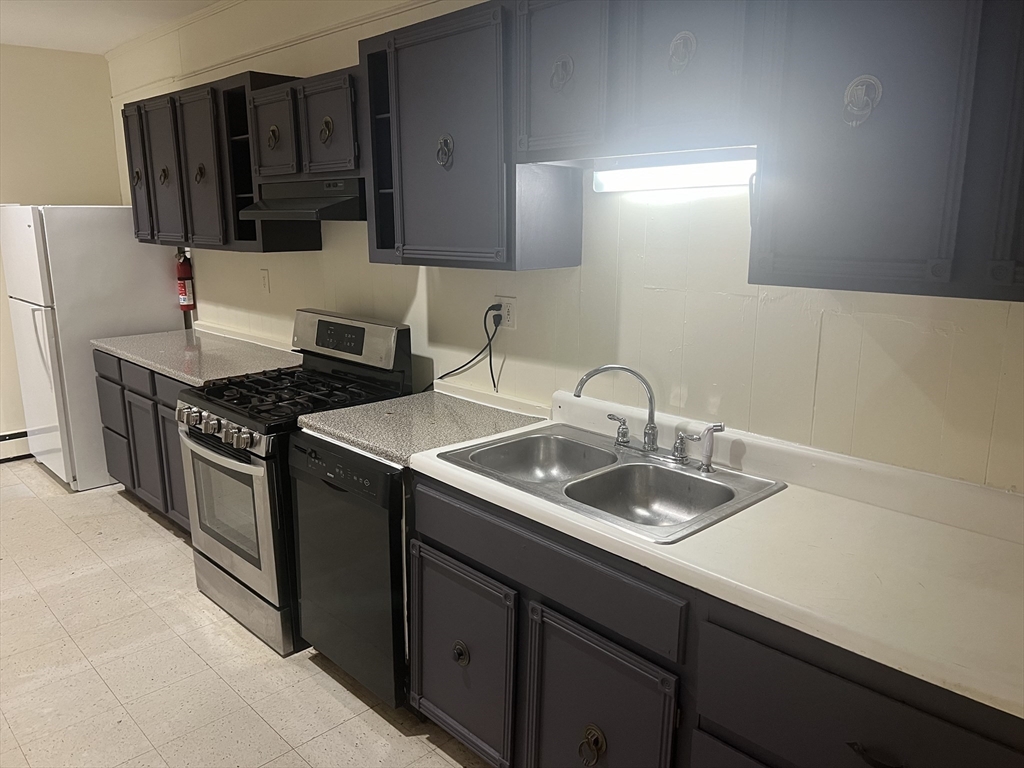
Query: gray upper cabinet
{"x": 862, "y": 167}
{"x": 160, "y": 138}
{"x": 197, "y": 132}
{"x": 274, "y": 137}
{"x": 562, "y": 72}
{"x": 138, "y": 174}
{"x": 682, "y": 76}
{"x": 447, "y": 107}
{"x": 327, "y": 119}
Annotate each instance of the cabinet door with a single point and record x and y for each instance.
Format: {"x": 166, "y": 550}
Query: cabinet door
{"x": 119, "y": 461}
{"x": 447, "y": 126}
{"x": 327, "y": 116}
{"x": 200, "y": 166}
{"x": 859, "y": 175}
{"x": 684, "y": 67}
{"x": 147, "y": 460}
{"x": 138, "y": 174}
{"x": 591, "y": 700}
{"x": 111, "y": 397}
{"x": 462, "y": 651}
{"x": 161, "y": 142}
{"x": 174, "y": 470}
{"x": 272, "y": 131}
{"x": 563, "y": 72}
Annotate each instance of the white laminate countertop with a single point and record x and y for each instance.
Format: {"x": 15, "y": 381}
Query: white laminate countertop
{"x": 196, "y": 357}
{"x": 939, "y": 602}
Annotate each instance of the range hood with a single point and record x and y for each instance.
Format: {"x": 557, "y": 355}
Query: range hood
{"x": 327, "y": 200}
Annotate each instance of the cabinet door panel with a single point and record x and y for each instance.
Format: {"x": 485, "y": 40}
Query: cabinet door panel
{"x": 447, "y": 101}
{"x": 580, "y": 683}
{"x": 684, "y": 64}
{"x": 462, "y": 636}
{"x": 119, "y": 460}
{"x": 161, "y": 142}
{"x": 563, "y": 68}
{"x": 147, "y": 461}
{"x": 174, "y": 470}
{"x": 327, "y": 115}
{"x": 200, "y": 163}
{"x": 138, "y": 174}
{"x": 272, "y": 131}
{"x": 859, "y": 176}
{"x": 111, "y": 398}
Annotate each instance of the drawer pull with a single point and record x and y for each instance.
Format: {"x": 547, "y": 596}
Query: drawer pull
{"x": 593, "y": 745}
{"x": 445, "y": 150}
{"x": 326, "y": 130}
{"x": 874, "y": 762}
{"x": 460, "y": 654}
{"x": 273, "y": 136}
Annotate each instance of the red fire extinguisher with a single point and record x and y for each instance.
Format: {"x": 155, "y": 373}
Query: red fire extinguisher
{"x": 186, "y": 298}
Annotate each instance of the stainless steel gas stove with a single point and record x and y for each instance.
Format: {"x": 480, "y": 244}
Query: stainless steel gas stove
{"x": 234, "y": 435}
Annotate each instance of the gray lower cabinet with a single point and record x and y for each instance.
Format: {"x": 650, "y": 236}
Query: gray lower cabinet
{"x": 147, "y": 458}
{"x": 613, "y": 665}
{"x": 592, "y": 702}
{"x": 140, "y": 434}
{"x": 462, "y": 651}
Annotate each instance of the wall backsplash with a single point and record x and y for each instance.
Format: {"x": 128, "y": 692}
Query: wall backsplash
{"x": 926, "y": 383}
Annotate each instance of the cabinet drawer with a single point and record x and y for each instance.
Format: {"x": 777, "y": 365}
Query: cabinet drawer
{"x": 119, "y": 460}
{"x": 137, "y": 378}
{"x": 107, "y": 365}
{"x": 630, "y": 608}
{"x": 589, "y": 698}
{"x": 462, "y": 651}
{"x": 810, "y": 717}
{"x": 708, "y": 752}
{"x": 111, "y": 397}
{"x": 167, "y": 389}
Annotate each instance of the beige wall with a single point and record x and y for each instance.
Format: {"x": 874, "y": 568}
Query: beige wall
{"x": 56, "y": 148}
{"x": 932, "y": 384}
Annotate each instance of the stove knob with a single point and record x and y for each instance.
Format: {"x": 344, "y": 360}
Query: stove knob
{"x": 180, "y": 413}
{"x": 210, "y": 424}
{"x": 228, "y": 435}
{"x": 242, "y": 438}
{"x": 193, "y": 417}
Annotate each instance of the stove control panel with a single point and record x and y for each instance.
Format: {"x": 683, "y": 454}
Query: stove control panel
{"x": 230, "y": 434}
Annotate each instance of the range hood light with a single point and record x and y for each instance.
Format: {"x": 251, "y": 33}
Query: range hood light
{"x": 700, "y": 169}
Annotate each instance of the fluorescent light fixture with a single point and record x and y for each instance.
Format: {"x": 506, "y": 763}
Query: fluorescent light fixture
{"x": 698, "y": 169}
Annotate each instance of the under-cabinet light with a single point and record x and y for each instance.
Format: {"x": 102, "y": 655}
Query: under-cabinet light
{"x": 730, "y": 167}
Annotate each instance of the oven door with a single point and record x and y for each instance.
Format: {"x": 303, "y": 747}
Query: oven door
{"x": 230, "y": 512}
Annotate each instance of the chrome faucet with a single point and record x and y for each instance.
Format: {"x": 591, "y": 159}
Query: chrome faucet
{"x": 707, "y": 440}
{"x": 651, "y": 430}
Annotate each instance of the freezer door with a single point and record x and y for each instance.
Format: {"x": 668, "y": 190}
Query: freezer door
{"x": 35, "y": 345}
{"x": 23, "y": 252}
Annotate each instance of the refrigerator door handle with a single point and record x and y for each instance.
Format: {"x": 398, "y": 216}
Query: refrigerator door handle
{"x": 40, "y": 343}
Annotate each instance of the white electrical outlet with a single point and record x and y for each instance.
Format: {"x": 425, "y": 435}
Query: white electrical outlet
{"x": 508, "y": 311}
{"x": 265, "y": 278}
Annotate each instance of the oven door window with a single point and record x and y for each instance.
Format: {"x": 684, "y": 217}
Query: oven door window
{"x": 227, "y": 508}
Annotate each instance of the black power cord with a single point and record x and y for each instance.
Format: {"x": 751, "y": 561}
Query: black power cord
{"x": 486, "y": 348}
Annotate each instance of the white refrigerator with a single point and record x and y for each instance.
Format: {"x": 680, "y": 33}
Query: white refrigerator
{"x": 76, "y": 273}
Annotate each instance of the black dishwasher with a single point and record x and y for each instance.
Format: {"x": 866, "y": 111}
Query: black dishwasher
{"x": 348, "y": 539}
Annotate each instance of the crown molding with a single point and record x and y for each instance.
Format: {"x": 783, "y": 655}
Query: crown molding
{"x": 169, "y": 27}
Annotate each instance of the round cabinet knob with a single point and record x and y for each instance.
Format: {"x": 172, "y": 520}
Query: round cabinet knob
{"x": 210, "y": 425}
{"x": 242, "y": 438}
{"x": 460, "y": 654}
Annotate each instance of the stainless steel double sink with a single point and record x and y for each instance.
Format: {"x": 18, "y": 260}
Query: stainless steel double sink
{"x": 646, "y": 494}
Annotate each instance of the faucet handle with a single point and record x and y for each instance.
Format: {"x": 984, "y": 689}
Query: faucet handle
{"x": 622, "y": 433}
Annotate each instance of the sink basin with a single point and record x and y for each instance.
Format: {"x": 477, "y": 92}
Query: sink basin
{"x": 649, "y": 495}
{"x": 543, "y": 458}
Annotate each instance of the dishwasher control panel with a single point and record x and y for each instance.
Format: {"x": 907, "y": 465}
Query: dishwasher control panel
{"x": 345, "y": 471}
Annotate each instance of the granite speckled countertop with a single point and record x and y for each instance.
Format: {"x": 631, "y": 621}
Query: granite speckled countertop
{"x": 196, "y": 357}
{"x": 396, "y": 429}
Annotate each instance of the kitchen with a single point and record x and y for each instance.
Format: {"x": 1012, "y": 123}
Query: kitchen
{"x": 886, "y": 575}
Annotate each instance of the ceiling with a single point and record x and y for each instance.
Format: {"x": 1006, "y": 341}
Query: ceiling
{"x": 87, "y": 26}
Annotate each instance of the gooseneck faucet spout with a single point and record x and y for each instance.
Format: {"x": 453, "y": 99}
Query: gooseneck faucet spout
{"x": 651, "y": 430}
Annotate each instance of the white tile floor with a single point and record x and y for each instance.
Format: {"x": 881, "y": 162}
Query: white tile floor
{"x": 110, "y": 656}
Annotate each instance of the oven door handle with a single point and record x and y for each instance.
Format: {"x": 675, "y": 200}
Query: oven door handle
{"x": 220, "y": 460}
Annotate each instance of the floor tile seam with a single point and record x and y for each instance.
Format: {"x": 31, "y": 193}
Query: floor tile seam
{"x": 180, "y": 736}
{"x": 318, "y": 735}
{"x": 53, "y": 733}
{"x": 126, "y": 702}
